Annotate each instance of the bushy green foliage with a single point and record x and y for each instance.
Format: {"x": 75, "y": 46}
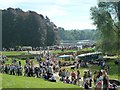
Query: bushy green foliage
{"x": 21, "y": 28}
{"x": 107, "y": 19}
{"x": 86, "y": 34}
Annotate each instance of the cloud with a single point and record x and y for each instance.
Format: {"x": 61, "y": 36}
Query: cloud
{"x": 54, "y": 12}
{"x": 82, "y": 22}
{"x": 65, "y": 13}
{"x": 9, "y": 3}
{"x": 77, "y": 25}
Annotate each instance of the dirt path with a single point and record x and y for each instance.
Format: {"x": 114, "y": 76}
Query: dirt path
{"x": 68, "y": 66}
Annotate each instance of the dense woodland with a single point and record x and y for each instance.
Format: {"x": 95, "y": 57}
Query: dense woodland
{"x": 21, "y": 28}
{"x": 32, "y": 29}
{"x": 86, "y": 34}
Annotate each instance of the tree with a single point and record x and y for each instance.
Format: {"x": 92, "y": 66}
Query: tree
{"x": 26, "y": 29}
{"x": 106, "y": 18}
{"x": 77, "y": 34}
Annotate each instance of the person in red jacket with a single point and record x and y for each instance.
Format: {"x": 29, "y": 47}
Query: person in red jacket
{"x": 73, "y": 75}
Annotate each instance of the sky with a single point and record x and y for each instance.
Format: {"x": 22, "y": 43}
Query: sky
{"x": 69, "y": 14}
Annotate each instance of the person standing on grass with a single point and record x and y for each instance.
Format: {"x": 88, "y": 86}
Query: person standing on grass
{"x": 31, "y": 71}
{"x": 95, "y": 77}
{"x": 78, "y": 77}
{"x": 37, "y": 70}
{"x": 84, "y": 78}
{"x": 63, "y": 74}
{"x": 2, "y": 67}
{"x": 6, "y": 71}
{"x": 67, "y": 73}
{"x": 105, "y": 80}
{"x": 90, "y": 78}
{"x": 12, "y": 70}
{"x": 8, "y": 68}
{"x": 73, "y": 76}
{"x": 107, "y": 67}
{"x": 86, "y": 86}
{"x": 20, "y": 63}
{"x": 26, "y": 70}
{"x": 20, "y": 70}
{"x": 98, "y": 85}
{"x": 16, "y": 70}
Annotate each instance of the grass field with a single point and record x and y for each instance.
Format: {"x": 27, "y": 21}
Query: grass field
{"x": 113, "y": 71}
{"x": 8, "y": 53}
{"x": 59, "y": 51}
{"x": 8, "y": 81}
{"x": 67, "y": 51}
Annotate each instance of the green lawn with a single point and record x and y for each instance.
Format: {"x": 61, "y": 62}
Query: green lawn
{"x": 59, "y": 51}
{"x": 9, "y": 81}
{"x": 113, "y": 71}
{"x": 9, "y": 53}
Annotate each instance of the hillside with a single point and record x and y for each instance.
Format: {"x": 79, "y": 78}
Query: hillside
{"x": 9, "y": 81}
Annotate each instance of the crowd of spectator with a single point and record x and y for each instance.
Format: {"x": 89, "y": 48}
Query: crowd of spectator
{"x": 48, "y": 69}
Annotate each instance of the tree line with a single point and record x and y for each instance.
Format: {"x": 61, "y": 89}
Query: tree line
{"x": 86, "y": 34}
{"x": 20, "y": 28}
{"x": 29, "y": 28}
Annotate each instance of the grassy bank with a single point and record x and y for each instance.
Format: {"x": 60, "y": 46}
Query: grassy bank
{"x": 9, "y": 81}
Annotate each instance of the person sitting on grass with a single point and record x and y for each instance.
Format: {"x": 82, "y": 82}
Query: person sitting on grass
{"x": 67, "y": 73}
{"x": 53, "y": 78}
{"x": 74, "y": 81}
{"x": 86, "y": 85}
{"x": 45, "y": 76}
{"x": 67, "y": 80}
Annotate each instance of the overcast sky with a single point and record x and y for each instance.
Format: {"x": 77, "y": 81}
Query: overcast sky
{"x": 69, "y": 14}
